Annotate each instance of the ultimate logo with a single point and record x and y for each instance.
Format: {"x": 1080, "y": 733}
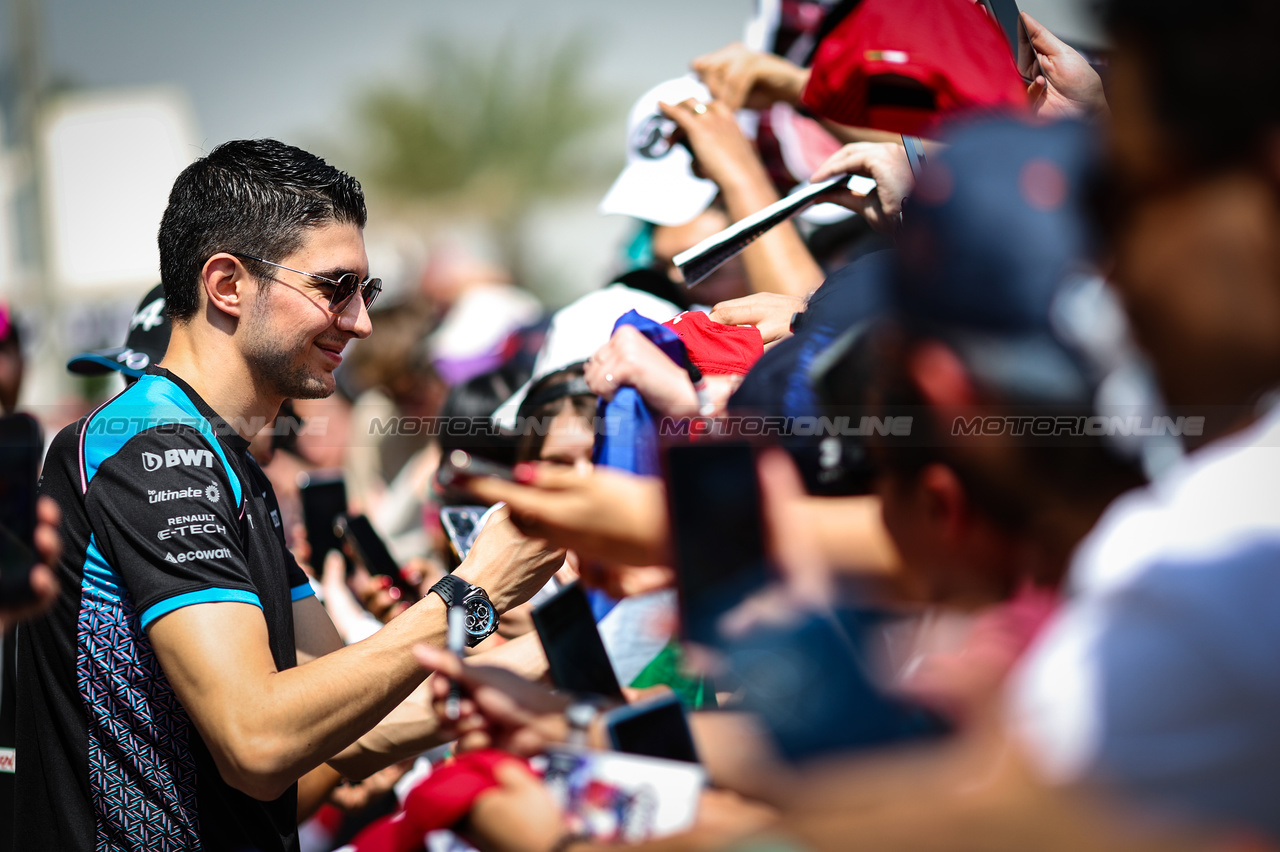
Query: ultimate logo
{"x": 211, "y": 493}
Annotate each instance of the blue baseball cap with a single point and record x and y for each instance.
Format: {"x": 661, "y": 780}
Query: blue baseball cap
{"x": 993, "y": 233}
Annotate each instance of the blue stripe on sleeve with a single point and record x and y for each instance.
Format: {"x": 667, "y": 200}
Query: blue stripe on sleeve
{"x": 168, "y": 605}
{"x": 303, "y": 590}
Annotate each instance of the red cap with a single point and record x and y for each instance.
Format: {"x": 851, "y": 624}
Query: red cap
{"x": 717, "y": 348}
{"x": 901, "y": 65}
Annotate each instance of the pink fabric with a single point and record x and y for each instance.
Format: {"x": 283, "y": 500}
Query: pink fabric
{"x": 952, "y": 681}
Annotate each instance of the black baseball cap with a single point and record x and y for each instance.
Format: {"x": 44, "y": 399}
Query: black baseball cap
{"x": 146, "y": 344}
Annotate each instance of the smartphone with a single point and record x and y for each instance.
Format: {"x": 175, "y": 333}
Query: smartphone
{"x": 655, "y": 728}
{"x": 1024, "y": 55}
{"x": 368, "y": 546}
{"x": 575, "y": 652}
{"x": 461, "y": 464}
{"x": 713, "y": 501}
{"x": 461, "y": 526}
{"x": 324, "y": 498}
{"x": 1005, "y": 14}
{"x": 809, "y": 684}
{"x": 21, "y": 448}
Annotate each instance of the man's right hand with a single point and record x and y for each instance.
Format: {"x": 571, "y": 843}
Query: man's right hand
{"x": 510, "y": 566}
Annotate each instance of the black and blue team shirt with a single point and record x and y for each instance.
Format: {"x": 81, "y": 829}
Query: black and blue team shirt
{"x": 163, "y": 507}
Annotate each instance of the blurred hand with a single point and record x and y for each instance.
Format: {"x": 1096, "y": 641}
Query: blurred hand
{"x": 792, "y": 545}
{"x": 624, "y": 581}
{"x": 43, "y": 581}
{"x": 377, "y": 594}
{"x": 630, "y": 358}
{"x": 721, "y": 152}
{"x": 603, "y": 514}
{"x": 729, "y": 816}
{"x": 1064, "y": 84}
{"x": 340, "y": 601}
{"x": 508, "y": 564}
{"x": 358, "y": 795}
{"x": 520, "y": 815}
{"x": 500, "y": 710}
{"x": 423, "y": 573}
{"x": 741, "y": 78}
{"x": 769, "y": 312}
{"x": 516, "y": 621}
{"x": 884, "y": 162}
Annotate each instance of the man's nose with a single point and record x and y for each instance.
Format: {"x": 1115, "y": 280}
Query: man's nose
{"x": 354, "y": 318}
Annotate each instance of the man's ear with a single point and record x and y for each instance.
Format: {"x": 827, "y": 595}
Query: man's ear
{"x": 224, "y": 281}
{"x": 940, "y": 376}
{"x": 945, "y": 501}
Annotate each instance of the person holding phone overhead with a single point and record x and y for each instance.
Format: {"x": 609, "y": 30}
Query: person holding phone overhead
{"x": 187, "y": 676}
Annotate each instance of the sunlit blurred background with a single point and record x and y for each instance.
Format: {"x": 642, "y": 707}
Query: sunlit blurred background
{"x": 489, "y": 128}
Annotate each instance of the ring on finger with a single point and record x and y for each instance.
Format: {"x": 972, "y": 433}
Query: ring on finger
{"x": 608, "y": 377}
{"x": 699, "y": 108}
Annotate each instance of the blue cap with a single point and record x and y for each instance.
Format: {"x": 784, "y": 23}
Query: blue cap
{"x": 993, "y": 230}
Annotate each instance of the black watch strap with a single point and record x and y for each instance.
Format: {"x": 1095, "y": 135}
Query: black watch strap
{"x": 451, "y": 589}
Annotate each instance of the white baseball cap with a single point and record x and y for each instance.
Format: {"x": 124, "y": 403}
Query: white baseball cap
{"x": 658, "y": 184}
{"x": 578, "y": 330}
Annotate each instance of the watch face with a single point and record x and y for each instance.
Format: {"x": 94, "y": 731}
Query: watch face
{"x": 482, "y": 619}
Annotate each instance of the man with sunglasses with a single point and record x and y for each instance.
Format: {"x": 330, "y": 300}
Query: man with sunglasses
{"x": 188, "y": 677}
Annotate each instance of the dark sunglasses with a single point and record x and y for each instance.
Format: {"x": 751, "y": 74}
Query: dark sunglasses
{"x": 343, "y": 289}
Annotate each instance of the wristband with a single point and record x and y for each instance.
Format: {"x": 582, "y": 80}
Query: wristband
{"x": 580, "y": 715}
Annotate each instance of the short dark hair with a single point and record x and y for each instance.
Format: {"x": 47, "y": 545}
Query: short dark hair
{"x": 1085, "y": 471}
{"x": 1209, "y": 72}
{"x": 536, "y": 416}
{"x": 255, "y": 196}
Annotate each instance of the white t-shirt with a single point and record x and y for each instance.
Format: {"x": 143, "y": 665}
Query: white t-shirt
{"x": 1161, "y": 675}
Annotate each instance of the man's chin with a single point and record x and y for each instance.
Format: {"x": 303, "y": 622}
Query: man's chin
{"x": 315, "y": 386}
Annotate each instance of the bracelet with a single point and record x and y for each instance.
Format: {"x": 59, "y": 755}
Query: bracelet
{"x": 580, "y": 714}
{"x": 568, "y": 839}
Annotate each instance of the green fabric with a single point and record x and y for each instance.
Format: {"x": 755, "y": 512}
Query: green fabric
{"x": 667, "y": 669}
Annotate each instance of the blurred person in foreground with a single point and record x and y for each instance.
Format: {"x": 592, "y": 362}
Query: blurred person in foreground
{"x": 1159, "y": 680}
{"x": 1155, "y": 685}
{"x": 188, "y": 677}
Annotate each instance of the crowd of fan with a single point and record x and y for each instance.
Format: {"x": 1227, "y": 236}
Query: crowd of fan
{"x": 1015, "y": 461}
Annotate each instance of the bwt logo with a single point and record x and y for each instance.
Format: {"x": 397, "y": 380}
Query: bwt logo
{"x": 173, "y": 458}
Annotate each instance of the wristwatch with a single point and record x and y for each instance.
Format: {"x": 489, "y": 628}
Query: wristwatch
{"x": 482, "y": 618}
